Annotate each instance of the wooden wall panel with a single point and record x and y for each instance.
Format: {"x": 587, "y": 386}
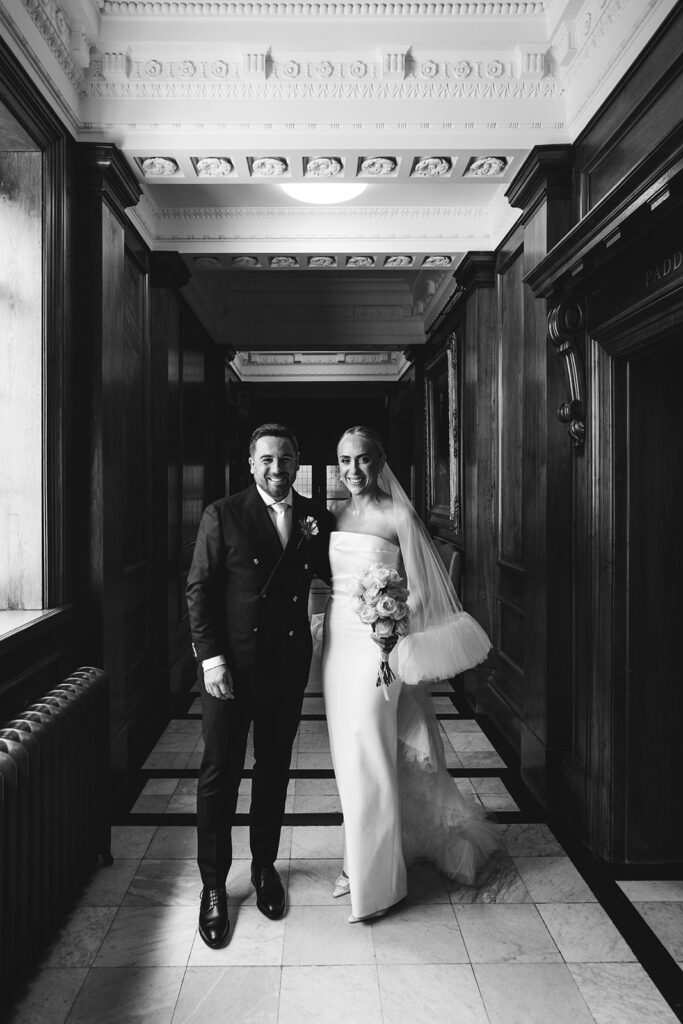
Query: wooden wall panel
{"x": 511, "y": 411}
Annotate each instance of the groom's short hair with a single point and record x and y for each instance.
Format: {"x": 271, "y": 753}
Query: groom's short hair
{"x": 273, "y": 430}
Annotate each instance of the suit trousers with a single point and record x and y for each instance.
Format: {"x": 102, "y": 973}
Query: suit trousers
{"x": 275, "y": 713}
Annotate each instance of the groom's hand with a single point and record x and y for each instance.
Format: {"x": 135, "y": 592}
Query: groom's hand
{"x": 219, "y": 683}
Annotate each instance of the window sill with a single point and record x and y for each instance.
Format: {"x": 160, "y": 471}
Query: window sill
{"x": 13, "y": 623}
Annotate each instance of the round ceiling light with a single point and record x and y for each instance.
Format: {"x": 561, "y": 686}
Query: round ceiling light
{"x": 323, "y": 193}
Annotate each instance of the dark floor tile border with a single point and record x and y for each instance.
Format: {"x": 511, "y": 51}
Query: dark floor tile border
{"x": 322, "y": 818}
{"x": 647, "y": 947}
{"x": 320, "y": 773}
{"x": 601, "y": 879}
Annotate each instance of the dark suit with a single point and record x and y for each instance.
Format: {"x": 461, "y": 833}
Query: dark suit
{"x": 248, "y": 600}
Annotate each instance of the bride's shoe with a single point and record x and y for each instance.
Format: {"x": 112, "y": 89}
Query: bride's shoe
{"x": 368, "y": 917}
{"x": 342, "y": 886}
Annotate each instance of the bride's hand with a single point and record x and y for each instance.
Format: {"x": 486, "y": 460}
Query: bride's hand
{"x": 386, "y": 643}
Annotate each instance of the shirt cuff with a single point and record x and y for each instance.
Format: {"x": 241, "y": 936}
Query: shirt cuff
{"x": 213, "y": 662}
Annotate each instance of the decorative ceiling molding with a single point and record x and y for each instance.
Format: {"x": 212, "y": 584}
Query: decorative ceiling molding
{"x": 332, "y": 214}
{"x": 507, "y": 87}
{"x": 602, "y": 35}
{"x": 322, "y": 9}
{"x": 316, "y": 366}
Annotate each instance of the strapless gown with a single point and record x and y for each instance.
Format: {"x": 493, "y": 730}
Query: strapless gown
{"x": 398, "y": 800}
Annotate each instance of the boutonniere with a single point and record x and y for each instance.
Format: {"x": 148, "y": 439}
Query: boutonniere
{"x": 308, "y": 528}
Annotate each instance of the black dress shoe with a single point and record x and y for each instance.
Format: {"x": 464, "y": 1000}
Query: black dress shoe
{"x": 270, "y": 896}
{"x": 213, "y": 917}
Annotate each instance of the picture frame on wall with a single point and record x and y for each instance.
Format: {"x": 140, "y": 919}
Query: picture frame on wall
{"x": 443, "y": 464}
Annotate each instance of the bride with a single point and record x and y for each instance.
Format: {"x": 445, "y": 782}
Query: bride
{"x": 398, "y": 799}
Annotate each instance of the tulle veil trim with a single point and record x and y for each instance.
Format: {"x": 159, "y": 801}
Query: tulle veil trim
{"x": 438, "y": 822}
{"x": 442, "y": 640}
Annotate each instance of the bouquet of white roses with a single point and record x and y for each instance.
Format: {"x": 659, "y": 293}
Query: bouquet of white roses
{"x": 379, "y": 599}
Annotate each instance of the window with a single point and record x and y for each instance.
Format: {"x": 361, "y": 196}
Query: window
{"x": 21, "y": 378}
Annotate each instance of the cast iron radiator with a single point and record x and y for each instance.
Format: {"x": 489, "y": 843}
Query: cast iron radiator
{"x": 54, "y": 811}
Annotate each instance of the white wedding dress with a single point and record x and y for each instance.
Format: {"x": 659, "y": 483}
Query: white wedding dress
{"x": 398, "y": 800}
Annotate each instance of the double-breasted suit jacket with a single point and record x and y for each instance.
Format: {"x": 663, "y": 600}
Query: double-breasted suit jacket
{"x": 247, "y": 596}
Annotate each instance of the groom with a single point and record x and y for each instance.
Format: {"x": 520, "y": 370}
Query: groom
{"x": 247, "y": 595}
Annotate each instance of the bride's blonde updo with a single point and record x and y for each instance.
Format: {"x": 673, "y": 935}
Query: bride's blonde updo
{"x": 372, "y": 436}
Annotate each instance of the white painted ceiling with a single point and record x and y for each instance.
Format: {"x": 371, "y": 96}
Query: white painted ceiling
{"x": 326, "y": 85}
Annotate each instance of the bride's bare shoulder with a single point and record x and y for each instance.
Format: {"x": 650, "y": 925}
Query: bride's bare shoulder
{"x": 338, "y": 506}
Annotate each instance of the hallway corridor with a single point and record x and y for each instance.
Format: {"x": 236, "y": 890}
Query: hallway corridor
{"x": 532, "y": 946}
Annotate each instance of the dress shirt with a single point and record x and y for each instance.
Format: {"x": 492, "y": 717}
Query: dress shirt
{"x": 280, "y": 512}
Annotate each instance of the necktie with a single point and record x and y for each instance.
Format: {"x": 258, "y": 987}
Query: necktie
{"x": 281, "y": 522}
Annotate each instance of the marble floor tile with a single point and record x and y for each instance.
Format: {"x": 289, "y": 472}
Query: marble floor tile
{"x": 254, "y": 941}
{"x": 480, "y": 759}
{"x": 584, "y": 933}
{"x": 308, "y": 787}
{"x": 128, "y": 995}
{"x": 171, "y": 842}
{"x": 318, "y": 759}
{"x": 323, "y": 936}
{"x": 493, "y": 802}
{"x": 311, "y": 883}
{"x": 621, "y": 994}
{"x": 467, "y": 741}
{"x": 242, "y": 995}
{"x": 493, "y": 786}
{"x": 666, "y": 921}
{"x": 659, "y": 891}
{"x": 313, "y": 841}
{"x": 452, "y": 726}
{"x": 160, "y": 787}
{"x": 500, "y": 883}
{"x": 531, "y": 994}
{"x": 426, "y": 884}
{"x": 195, "y": 707}
{"x": 317, "y": 803}
{"x": 452, "y": 759}
{"x": 131, "y": 841}
{"x": 167, "y": 759}
{"x": 176, "y": 743}
{"x": 430, "y": 994}
{"x": 195, "y": 760}
{"x": 445, "y": 706}
{"x": 182, "y": 803}
{"x": 151, "y": 804}
{"x": 164, "y": 883}
{"x": 310, "y": 742}
{"x": 506, "y": 933}
{"x": 330, "y": 995}
{"x": 241, "y": 892}
{"x": 553, "y": 880}
{"x": 108, "y": 885}
{"x": 80, "y": 937}
{"x": 419, "y": 934}
{"x": 314, "y": 706}
{"x": 531, "y": 840}
{"x": 48, "y": 997}
{"x": 149, "y": 937}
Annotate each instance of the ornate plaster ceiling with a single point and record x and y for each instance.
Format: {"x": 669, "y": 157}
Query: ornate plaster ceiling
{"x": 433, "y": 105}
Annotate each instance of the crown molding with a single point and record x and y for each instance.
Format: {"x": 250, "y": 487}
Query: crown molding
{"x": 396, "y": 10}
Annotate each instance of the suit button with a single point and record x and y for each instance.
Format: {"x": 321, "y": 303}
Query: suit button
{"x": 295, "y": 598}
{"x": 263, "y": 595}
{"x": 291, "y": 632}
{"x": 305, "y": 565}
{"x": 256, "y": 629}
{"x": 255, "y": 560}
